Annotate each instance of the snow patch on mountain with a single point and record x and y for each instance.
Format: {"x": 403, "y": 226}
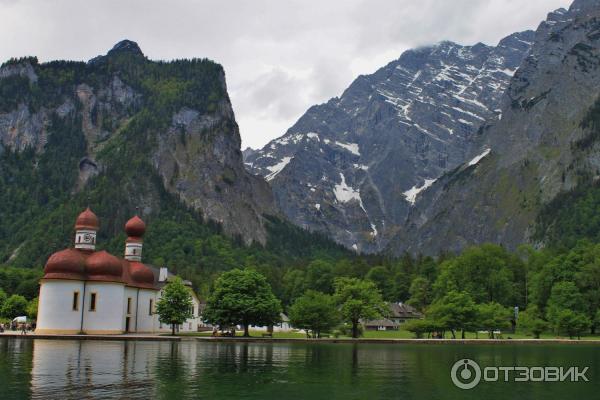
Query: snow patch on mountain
{"x": 344, "y": 193}
{"x": 351, "y": 147}
{"x": 277, "y": 168}
{"x": 412, "y": 193}
{"x": 478, "y": 158}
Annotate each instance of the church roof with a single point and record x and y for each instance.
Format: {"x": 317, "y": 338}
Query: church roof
{"x": 135, "y": 227}
{"x": 101, "y": 266}
{"x": 66, "y": 264}
{"x": 87, "y": 220}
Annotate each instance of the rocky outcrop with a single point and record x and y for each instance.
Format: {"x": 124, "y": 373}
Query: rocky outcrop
{"x": 21, "y": 129}
{"x": 22, "y": 68}
{"x": 196, "y": 152}
{"x": 355, "y": 166}
{"x": 539, "y": 147}
{"x": 199, "y": 158}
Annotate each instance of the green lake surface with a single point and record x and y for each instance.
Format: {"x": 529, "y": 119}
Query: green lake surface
{"x": 88, "y": 369}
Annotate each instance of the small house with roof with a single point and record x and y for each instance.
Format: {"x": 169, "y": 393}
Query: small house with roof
{"x": 398, "y": 313}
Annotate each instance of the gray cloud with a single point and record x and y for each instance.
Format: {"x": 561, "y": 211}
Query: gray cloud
{"x": 280, "y": 56}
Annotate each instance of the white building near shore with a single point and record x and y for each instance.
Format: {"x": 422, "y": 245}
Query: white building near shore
{"x": 93, "y": 292}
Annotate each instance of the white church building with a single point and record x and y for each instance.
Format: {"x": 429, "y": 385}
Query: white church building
{"x": 84, "y": 291}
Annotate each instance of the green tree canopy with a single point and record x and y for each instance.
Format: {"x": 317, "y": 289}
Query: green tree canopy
{"x": 242, "y": 297}
{"x": 531, "y": 321}
{"x": 175, "y": 305}
{"x": 314, "y": 311}
{"x": 294, "y": 285}
{"x": 3, "y": 298}
{"x": 455, "y": 311}
{"x": 493, "y": 316}
{"x": 487, "y": 272}
{"x": 421, "y": 326}
{"x": 383, "y": 279}
{"x": 420, "y": 293}
{"x": 358, "y": 299}
{"x": 14, "y": 306}
{"x": 570, "y": 322}
{"x": 564, "y": 295}
{"x": 319, "y": 276}
{"x": 32, "y": 308}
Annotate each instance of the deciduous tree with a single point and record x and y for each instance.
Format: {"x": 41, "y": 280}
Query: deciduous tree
{"x": 242, "y": 297}
{"x": 314, "y": 311}
{"x": 493, "y": 316}
{"x": 14, "y": 306}
{"x": 358, "y": 299}
{"x": 455, "y": 311}
{"x": 175, "y": 305}
{"x": 531, "y": 321}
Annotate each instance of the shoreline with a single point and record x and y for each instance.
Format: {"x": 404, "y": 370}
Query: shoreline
{"x": 396, "y": 341}
{"x": 18, "y": 335}
{"x": 239, "y": 339}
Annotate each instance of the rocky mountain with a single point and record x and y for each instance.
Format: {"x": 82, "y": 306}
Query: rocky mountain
{"x": 545, "y": 144}
{"x": 123, "y": 131}
{"x": 354, "y": 167}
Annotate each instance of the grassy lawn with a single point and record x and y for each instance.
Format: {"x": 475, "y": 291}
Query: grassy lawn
{"x": 403, "y": 334}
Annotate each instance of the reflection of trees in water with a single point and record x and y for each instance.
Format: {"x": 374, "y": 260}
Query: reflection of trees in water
{"x": 172, "y": 373}
{"x": 63, "y": 369}
{"x": 15, "y": 368}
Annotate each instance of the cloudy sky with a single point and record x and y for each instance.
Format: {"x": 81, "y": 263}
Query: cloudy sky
{"x": 280, "y": 57}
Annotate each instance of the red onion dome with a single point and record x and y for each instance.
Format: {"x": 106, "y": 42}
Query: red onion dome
{"x": 87, "y": 220}
{"x": 141, "y": 273}
{"x": 135, "y": 227}
{"x": 104, "y": 264}
{"x": 66, "y": 264}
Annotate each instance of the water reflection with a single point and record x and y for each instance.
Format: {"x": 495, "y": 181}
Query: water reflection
{"x": 56, "y": 369}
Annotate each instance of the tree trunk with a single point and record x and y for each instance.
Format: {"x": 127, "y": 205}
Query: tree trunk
{"x": 462, "y": 336}
{"x": 246, "y": 330}
{"x": 354, "y": 329}
{"x": 453, "y": 334}
{"x": 172, "y": 329}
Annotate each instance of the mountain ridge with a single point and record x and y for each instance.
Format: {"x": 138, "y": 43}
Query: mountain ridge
{"x": 352, "y": 167}
{"x": 534, "y": 152}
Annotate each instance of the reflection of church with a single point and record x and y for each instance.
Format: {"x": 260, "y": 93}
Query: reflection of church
{"x": 94, "y": 292}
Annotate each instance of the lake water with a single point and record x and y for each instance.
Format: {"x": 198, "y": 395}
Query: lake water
{"x": 60, "y": 369}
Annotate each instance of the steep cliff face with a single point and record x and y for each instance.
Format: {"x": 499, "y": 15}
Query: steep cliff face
{"x": 542, "y": 144}
{"x": 203, "y": 165}
{"x": 354, "y": 166}
{"x": 125, "y": 131}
